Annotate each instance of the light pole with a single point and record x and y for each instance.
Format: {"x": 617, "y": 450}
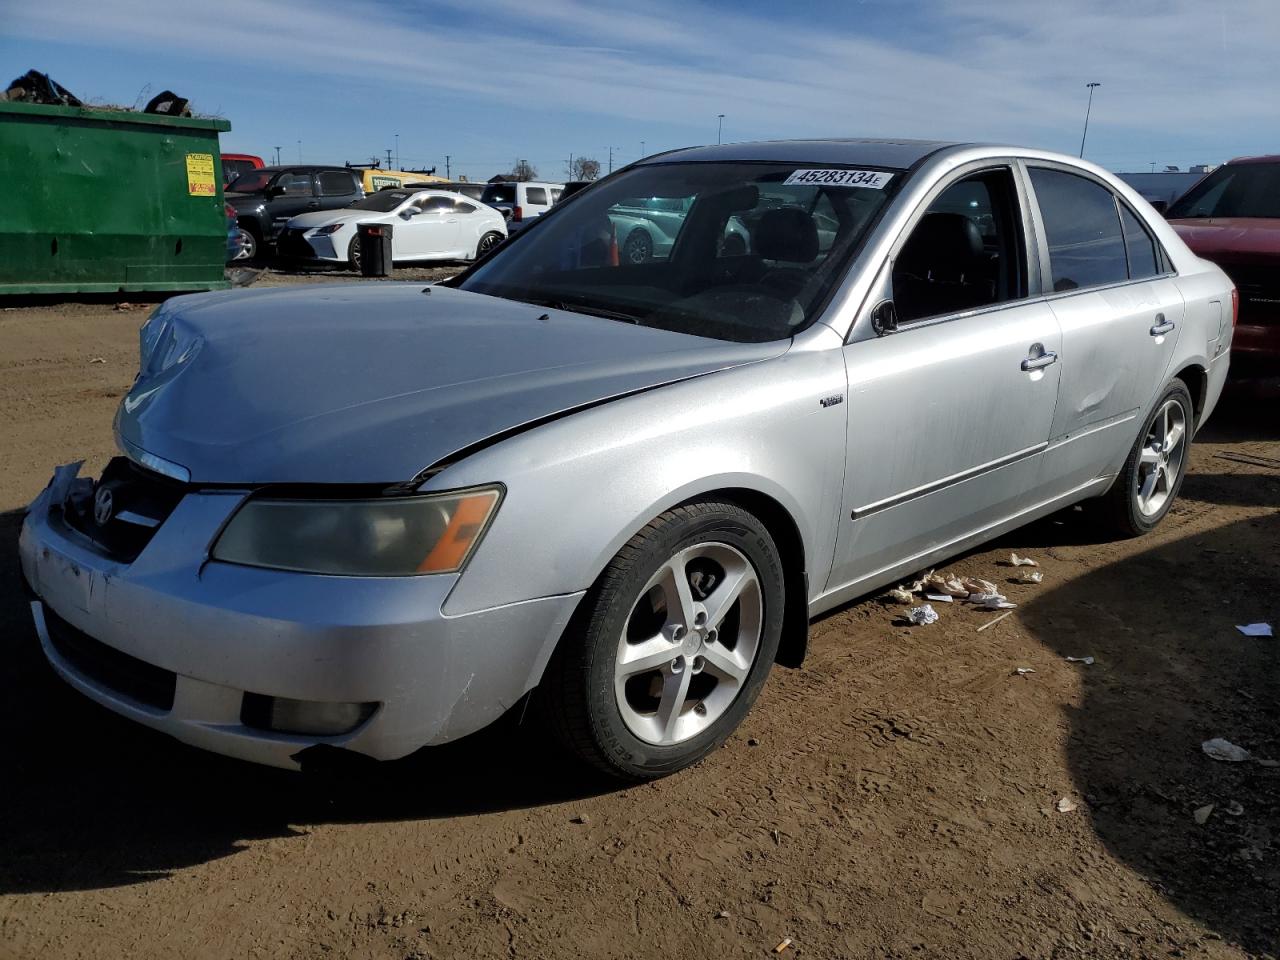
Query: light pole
{"x": 1087, "y": 111}
{"x": 299, "y": 151}
{"x": 611, "y": 159}
{"x": 642, "y": 148}
{"x": 397, "y": 151}
{"x": 719, "y": 126}
{"x": 277, "y": 156}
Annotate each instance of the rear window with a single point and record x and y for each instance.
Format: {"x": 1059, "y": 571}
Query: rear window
{"x": 234, "y": 168}
{"x": 1236, "y": 190}
{"x": 536, "y": 195}
{"x": 499, "y": 193}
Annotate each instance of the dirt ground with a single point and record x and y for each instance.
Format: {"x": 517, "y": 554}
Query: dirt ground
{"x": 895, "y": 798}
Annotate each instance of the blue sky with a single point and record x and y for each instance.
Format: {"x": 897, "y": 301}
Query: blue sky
{"x": 490, "y": 81}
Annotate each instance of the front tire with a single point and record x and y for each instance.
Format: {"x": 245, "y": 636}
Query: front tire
{"x": 248, "y": 245}
{"x": 353, "y": 253}
{"x": 1152, "y": 475}
{"x": 638, "y": 247}
{"x": 672, "y": 645}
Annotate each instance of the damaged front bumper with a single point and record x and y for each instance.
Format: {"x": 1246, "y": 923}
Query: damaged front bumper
{"x": 195, "y": 648}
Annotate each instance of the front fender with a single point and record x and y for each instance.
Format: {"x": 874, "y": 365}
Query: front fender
{"x": 580, "y": 487}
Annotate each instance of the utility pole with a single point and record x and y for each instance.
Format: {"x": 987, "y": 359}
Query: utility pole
{"x": 299, "y": 151}
{"x": 570, "y": 177}
{"x": 1087, "y": 111}
{"x": 611, "y": 159}
{"x": 397, "y": 151}
{"x": 719, "y": 126}
{"x": 447, "y": 175}
{"x": 277, "y": 156}
{"x": 641, "y": 148}
{"x": 389, "y": 167}
{"x": 1153, "y": 166}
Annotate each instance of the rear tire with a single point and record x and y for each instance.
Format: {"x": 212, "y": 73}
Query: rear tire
{"x": 638, "y": 247}
{"x": 486, "y": 243}
{"x": 672, "y": 646}
{"x": 248, "y": 245}
{"x": 353, "y": 253}
{"x": 1152, "y": 475}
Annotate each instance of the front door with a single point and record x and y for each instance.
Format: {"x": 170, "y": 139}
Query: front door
{"x": 950, "y": 415}
{"x": 298, "y": 196}
{"x": 432, "y": 232}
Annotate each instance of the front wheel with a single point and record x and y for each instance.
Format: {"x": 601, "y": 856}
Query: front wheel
{"x": 638, "y": 247}
{"x": 248, "y": 244}
{"x": 1152, "y": 475}
{"x": 673, "y": 644}
{"x": 353, "y": 253}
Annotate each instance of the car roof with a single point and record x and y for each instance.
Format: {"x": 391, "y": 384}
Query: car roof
{"x": 1269, "y": 158}
{"x": 308, "y": 167}
{"x": 870, "y": 151}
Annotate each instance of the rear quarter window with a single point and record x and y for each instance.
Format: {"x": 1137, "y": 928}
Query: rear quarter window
{"x": 536, "y": 195}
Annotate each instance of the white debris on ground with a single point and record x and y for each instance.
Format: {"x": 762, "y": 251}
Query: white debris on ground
{"x": 1032, "y": 576}
{"x": 1066, "y": 805}
{"x": 1256, "y": 630}
{"x": 1202, "y": 813}
{"x": 1220, "y": 749}
{"x": 1023, "y": 671}
{"x": 920, "y": 616}
{"x": 1017, "y": 561}
{"x": 1087, "y": 661}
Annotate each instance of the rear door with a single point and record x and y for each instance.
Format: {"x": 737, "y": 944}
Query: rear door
{"x": 948, "y": 416}
{"x": 1111, "y": 288}
{"x": 298, "y": 196}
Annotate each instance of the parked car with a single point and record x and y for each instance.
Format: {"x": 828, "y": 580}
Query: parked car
{"x": 472, "y": 191}
{"x": 373, "y": 179}
{"x": 235, "y": 242}
{"x": 1163, "y": 188}
{"x": 521, "y": 202}
{"x": 234, "y": 164}
{"x": 1232, "y": 217}
{"x": 266, "y": 199}
{"x": 428, "y": 225}
{"x": 355, "y": 520}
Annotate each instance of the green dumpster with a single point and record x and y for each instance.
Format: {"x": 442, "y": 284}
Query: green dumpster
{"x": 100, "y": 201}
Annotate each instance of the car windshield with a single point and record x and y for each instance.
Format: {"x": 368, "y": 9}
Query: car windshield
{"x": 1236, "y": 190}
{"x": 499, "y": 193}
{"x": 384, "y": 201}
{"x": 252, "y": 181}
{"x": 736, "y": 251}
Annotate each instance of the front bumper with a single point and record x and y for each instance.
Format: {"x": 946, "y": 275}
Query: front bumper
{"x": 223, "y": 631}
{"x": 294, "y": 244}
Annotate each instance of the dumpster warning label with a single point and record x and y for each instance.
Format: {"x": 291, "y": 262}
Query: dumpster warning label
{"x": 200, "y": 182}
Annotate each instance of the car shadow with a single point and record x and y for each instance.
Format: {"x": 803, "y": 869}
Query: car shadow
{"x": 1172, "y": 671}
{"x": 92, "y": 800}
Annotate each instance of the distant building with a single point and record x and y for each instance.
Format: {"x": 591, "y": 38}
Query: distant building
{"x": 1162, "y": 188}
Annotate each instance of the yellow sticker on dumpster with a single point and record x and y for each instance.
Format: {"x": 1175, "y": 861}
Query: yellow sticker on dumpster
{"x": 200, "y": 182}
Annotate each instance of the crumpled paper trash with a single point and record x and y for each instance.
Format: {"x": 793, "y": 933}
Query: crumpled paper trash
{"x": 922, "y": 615}
{"x": 1031, "y": 576}
{"x": 1220, "y": 749}
{"x": 1017, "y": 561}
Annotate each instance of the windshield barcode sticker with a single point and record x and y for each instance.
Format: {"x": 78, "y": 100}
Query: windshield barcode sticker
{"x": 867, "y": 179}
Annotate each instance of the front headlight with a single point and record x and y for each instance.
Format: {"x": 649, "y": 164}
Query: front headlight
{"x": 389, "y": 537}
{"x": 326, "y": 230}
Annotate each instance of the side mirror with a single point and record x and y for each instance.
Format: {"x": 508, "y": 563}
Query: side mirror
{"x": 884, "y": 318}
{"x": 410, "y": 212}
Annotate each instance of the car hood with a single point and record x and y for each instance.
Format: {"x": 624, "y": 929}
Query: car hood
{"x": 1231, "y": 238}
{"x": 373, "y": 383}
{"x": 309, "y": 221}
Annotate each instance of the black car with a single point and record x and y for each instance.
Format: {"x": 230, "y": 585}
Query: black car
{"x": 267, "y": 198}
{"x": 472, "y": 190}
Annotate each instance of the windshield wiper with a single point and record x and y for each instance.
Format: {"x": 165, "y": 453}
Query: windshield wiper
{"x": 591, "y": 311}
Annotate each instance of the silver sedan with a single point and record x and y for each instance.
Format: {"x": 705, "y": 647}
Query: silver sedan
{"x": 373, "y": 518}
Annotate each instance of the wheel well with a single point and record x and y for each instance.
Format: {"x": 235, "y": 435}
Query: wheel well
{"x": 250, "y": 224}
{"x": 795, "y": 617}
{"x": 1197, "y": 381}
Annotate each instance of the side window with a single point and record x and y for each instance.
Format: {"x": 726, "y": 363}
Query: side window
{"x": 335, "y": 183}
{"x": 295, "y": 184}
{"x": 536, "y": 195}
{"x": 1141, "y": 246}
{"x": 435, "y": 204}
{"x": 461, "y": 207}
{"x": 1086, "y": 248}
{"x": 555, "y": 194}
{"x": 965, "y": 252}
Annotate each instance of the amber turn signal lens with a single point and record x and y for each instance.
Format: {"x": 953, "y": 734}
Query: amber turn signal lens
{"x": 465, "y": 526}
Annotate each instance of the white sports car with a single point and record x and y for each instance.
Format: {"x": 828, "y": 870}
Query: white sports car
{"x": 428, "y": 225}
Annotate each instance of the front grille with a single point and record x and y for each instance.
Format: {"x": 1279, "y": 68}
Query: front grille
{"x": 1259, "y": 288}
{"x": 108, "y": 667}
{"x": 141, "y": 501}
{"x": 292, "y": 243}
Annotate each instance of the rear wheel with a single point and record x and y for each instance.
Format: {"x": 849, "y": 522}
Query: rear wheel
{"x": 486, "y": 244}
{"x": 248, "y": 244}
{"x": 1152, "y": 475}
{"x": 672, "y": 645}
{"x": 353, "y": 253}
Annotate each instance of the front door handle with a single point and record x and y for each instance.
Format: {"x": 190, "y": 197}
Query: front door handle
{"x": 313, "y": 204}
{"x": 1162, "y": 326}
{"x": 1040, "y": 362}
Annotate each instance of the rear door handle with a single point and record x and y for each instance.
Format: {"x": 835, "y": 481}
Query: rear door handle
{"x": 1162, "y": 326}
{"x": 1040, "y": 362}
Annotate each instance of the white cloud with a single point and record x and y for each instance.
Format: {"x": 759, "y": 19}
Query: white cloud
{"x": 1010, "y": 70}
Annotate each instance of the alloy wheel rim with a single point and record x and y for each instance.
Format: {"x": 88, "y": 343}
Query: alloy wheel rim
{"x": 1160, "y": 460}
{"x": 689, "y": 643}
{"x": 637, "y": 250}
{"x": 487, "y": 243}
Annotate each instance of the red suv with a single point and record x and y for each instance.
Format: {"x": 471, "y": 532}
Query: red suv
{"x": 1232, "y": 217}
{"x": 234, "y": 164}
